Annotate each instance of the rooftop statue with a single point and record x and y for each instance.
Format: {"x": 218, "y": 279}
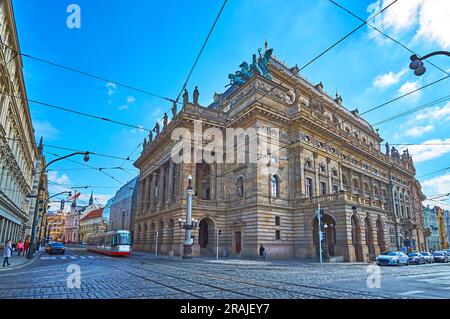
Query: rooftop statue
{"x": 258, "y": 66}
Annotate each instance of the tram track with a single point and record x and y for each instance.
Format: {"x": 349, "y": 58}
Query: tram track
{"x": 225, "y": 277}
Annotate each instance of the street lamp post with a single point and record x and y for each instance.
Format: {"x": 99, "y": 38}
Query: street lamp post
{"x": 38, "y": 196}
{"x": 189, "y": 224}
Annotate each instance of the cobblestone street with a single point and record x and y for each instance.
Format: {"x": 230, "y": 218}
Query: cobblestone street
{"x": 144, "y": 276}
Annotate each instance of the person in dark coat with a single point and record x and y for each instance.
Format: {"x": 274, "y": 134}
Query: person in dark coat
{"x": 262, "y": 252}
{"x": 7, "y": 252}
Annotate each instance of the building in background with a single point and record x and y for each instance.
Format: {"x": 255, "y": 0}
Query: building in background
{"x": 18, "y": 151}
{"x": 123, "y": 206}
{"x": 107, "y": 212}
{"x": 72, "y": 222}
{"x": 56, "y": 222}
{"x": 92, "y": 223}
{"x": 431, "y": 223}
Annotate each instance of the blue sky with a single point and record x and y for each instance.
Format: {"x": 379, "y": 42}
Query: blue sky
{"x": 152, "y": 45}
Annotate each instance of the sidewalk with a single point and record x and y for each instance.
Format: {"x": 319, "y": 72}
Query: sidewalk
{"x": 17, "y": 262}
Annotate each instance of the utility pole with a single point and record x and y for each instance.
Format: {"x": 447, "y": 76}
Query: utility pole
{"x": 319, "y": 231}
{"x": 156, "y": 245}
{"x": 217, "y": 243}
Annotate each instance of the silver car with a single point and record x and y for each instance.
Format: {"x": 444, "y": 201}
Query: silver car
{"x": 429, "y": 258}
{"x": 393, "y": 258}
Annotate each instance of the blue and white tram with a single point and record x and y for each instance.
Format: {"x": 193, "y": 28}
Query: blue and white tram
{"x": 113, "y": 243}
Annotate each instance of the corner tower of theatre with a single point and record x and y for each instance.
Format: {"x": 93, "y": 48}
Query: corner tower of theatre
{"x": 327, "y": 156}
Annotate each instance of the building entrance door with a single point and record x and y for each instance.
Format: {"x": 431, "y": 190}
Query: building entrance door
{"x": 203, "y": 234}
{"x": 237, "y": 238}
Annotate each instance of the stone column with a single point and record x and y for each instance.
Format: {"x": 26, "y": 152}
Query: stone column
{"x": 141, "y": 196}
{"x": 147, "y": 193}
{"x": 170, "y": 182}
{"x": 161, "y": 185}
{"x": 302, "y": 173}
{"x": 2, "y": 230}
{"x": 330, "y": 185}
{"x": 316, "y": 173}
{"x": 213, "y": 181}
{"x": 152, "y": 191}
{"x": 341, "y": 183}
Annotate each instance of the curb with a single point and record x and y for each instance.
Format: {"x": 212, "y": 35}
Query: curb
{"x": 22, "y": 265}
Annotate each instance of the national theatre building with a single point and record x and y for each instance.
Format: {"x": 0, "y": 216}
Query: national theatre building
{"x": 327, "y": 157}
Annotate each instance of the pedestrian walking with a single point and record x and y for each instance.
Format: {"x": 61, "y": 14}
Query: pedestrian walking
{"x": 26, "y": 246}
{"x": 20, "y": 247}
{"x": 262, "y": 252}
{"x": 7, "y": 251}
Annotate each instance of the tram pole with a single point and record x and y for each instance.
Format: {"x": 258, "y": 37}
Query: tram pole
{"x": 156, "y": 245}
{"x": 319, "y": 231}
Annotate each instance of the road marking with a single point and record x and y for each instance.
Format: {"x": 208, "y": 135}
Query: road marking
{"x": 82, "y": 257}
{"x": 412, "y": 292}
{"x": 73, "y": 257}
{"x": 63, "y": 257}
{"x": 92, "y": 257}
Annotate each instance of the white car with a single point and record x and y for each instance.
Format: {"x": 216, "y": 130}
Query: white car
{"x": 393, "y": 258}
{"x": 428, "y": 257}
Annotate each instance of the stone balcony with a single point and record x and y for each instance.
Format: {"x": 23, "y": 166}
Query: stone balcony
{"x": 343, "y": 197}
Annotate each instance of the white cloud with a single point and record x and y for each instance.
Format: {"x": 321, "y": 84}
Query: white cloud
{"x": 409, "y": 87}
{"x": 46, "y": 130}
{"x": 130, "y": 100}
{"x": 435, "y": 113}
{"x": 388, "y": 79}
{"x": 437, "y": 185}
{"x": 425, "y": 151}
{"x": 60, "y": 179}
{"x": 434, "y": 21}
{"x": 417, "y": 131}
{"x": 111, "y": 88}
{"x": 141, "y": 129}
{"x": 428, "y": 20}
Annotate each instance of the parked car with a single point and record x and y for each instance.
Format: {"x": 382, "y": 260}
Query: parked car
{"x": 440, "y": 256}
{"x": 393, "y": 258}
{"x": 448, "y": 252}
{"x": 428, "y": 257}
{"x": 416, "y": 258}
{"x": 55, "y": 248}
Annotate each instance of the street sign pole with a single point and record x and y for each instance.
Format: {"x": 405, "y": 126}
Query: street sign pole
{"x": 217, "y": 244}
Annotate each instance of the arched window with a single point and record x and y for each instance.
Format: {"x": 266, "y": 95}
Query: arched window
{"x": 275, "y": 186}
{"x": 240, "y": 187}
{"x": 355, "y": 183}
{"x": 366, "y": 188}
{"x": 375, "y": 190}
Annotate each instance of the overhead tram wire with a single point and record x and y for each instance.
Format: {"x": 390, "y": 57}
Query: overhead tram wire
{"x": 76, "y": 112}
{"x": 91, "y": 75}
{"x": 201, "y": 50}
{"x": 423, "y": 106}
{"x": 69, "y": 149}
{"x": 195, "y": 62}
{"x": 328, "y": 49}
{"x": 387, "y": 36}
{"x": 87, "y": 165}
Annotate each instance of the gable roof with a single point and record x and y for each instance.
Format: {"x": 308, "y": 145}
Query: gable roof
{"x": 96, "y": 213}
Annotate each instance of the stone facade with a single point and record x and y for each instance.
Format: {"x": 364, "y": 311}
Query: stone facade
{"x": 326, "y": 156}
{"x": 18, "y": 151}
{"x": 92, "y": 223}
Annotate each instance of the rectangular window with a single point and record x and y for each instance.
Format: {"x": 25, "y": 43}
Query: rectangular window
{"x": 309, "y": 188}
{"x": 335, "y": 189}
{"x": 277, "y": 235}
{"x": 323, "y": 188}
{"x": 277, "y": 220}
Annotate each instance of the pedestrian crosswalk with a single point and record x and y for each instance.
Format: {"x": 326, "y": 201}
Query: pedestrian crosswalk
{"x": 66, "y": 257}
